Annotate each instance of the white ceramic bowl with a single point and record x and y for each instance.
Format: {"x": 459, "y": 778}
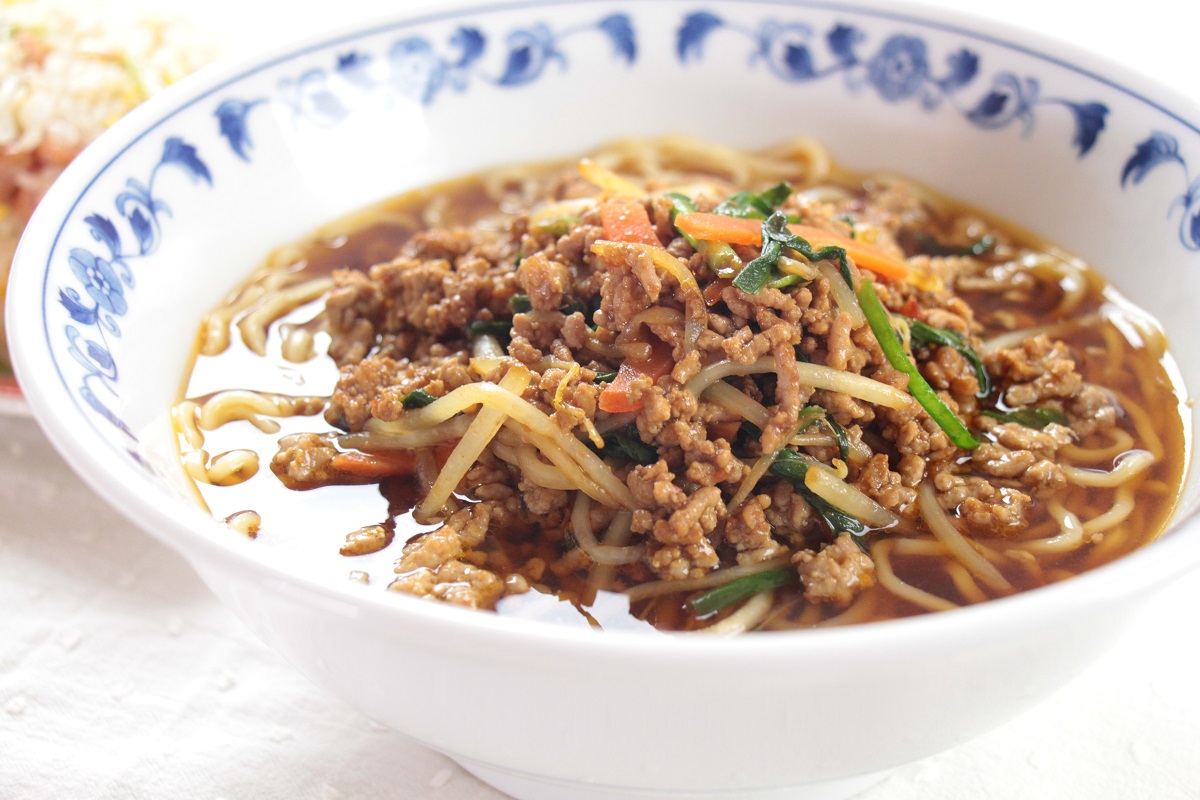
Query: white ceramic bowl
{"x": 163, "y": 215}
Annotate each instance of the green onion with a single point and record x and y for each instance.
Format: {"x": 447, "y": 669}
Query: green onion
{"x": 627, "y": 446}
{"x": 776, "y": 236}
{"x": 843, "y": 438}
{"x": 740, "y": 588}
{"x": 918, "y": 387}
{"x": 923, "y": 334}
{"x": 521, "y": 304}
{"x": 931, "y": 246}
{"x": 807, "y": 416}
{"x": 720, "y": 255}
{"x": 755, "y": 206}
{"x": 1029, "y": 417}
{"x": 560, "y": 226}
{"x": 500, "y": 328}
{"x": 606, "y": 377}
{"x": 792, "y": 467}
{"x": 418, "y": 398}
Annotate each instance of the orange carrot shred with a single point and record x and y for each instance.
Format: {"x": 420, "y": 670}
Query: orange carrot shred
{"x": 625, "y": 220}
{"x": 741, "y": 230}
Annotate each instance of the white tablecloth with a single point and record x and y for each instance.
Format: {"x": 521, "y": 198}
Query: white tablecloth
{"x": 122, "y": 677}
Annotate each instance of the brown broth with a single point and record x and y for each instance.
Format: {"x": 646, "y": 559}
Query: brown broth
{"x": 318, "y": 520}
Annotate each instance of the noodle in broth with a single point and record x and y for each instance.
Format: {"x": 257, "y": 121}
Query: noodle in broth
{"x": 590, "y": 391}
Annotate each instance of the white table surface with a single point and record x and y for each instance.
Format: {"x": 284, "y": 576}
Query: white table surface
{"x": 122, "y": 677}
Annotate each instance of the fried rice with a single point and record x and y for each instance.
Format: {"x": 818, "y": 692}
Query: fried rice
{"x": 68, "y": 72}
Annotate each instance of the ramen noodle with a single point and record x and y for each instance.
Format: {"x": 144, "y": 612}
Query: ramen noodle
{"x": 681, "y": 387}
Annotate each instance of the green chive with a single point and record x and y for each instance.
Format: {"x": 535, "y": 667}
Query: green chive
{"x": 418, "y": 398}
{"x": 739, "y": 589}
{"x": 881, "y": 325}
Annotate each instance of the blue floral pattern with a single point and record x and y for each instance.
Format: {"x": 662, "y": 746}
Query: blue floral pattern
{"x": 93, "y": 284}
{"x": 1162, "y": 149}
{"x": 106, "y": 275}
{"x": 901, "y": 69}
{"x": 414, "y": 68}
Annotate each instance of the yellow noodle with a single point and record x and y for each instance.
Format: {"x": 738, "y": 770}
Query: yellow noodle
{"x": 1127, "y": 467}
{"x": 859, "y": 611}
{"x": 1070, "y": 536}
{"x": 1070, "y": 278}
{"x": 232, "y": 467}
{"x": 920, "y": 547}
{"x": 255, "y": 408}
{"x": 619, "y": 530}
{"x": 254, "y": 325}
{"x": 1011, "y": 339}
{"x": 880, "y": 554}
{"x": 1115, "y": 346}
{"x": 965, "y": 583}
{"x": 1141, "y": 421}
{"x": 581, "y": 527}
{"x": 184, "y": 415}
{"x": 298, "y": 344}
{"x": 1122, "y": 505}
{"x": 1121, "y": 442}
{"x": 941, "y": 527}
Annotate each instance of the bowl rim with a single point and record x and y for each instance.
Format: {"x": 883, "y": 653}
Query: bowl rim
{"x": 200, "y": 537}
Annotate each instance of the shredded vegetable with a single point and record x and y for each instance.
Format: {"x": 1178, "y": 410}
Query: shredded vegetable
{"x": 739, "y": 589}
{"x": 922, "y": 392}
{"x": 736, "y": 230}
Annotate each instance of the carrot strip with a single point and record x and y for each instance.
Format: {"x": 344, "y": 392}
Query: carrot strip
{"x": 720, "y": 228}
{"x": 625, "y": 220}
{"x": 374, "y": 465}
{"x": 615, "y": 398}
{"x": 741, "y": 230}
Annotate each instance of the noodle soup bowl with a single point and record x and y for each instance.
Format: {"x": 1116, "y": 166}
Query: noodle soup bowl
{"x": 157, "y": 221}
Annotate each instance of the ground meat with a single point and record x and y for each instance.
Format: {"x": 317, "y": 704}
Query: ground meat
{"x": 370, "y": 539}
{"x": 1093, "y": 409}
{"x": 750, "y": 533}
{"x": 431, "y": 565}
{"x": 304, "y": 461}
{"x": 950, "y": 371}
{"x": 836, "y": 573}
{"x": 355, "y": 307}
{"x": 712, "y": 462}
{"x": 1040, "y": 475}
{"x": 988, "y": 509}
{"x": 545, "y": 281}
{"x": 887, "y": 488}
{"x": 595, "y": 324}
{"x": 1037, "y": 371}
